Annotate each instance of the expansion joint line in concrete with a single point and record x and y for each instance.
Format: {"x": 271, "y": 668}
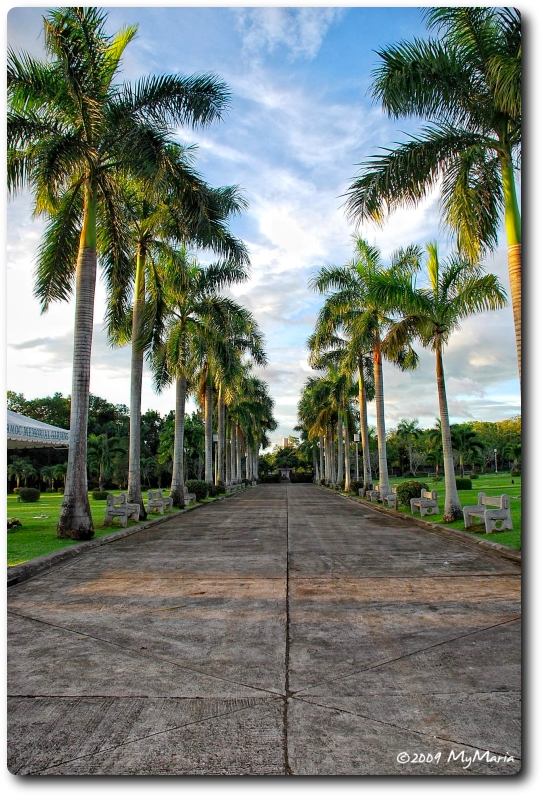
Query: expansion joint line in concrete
{"x": 400, "y": 726}
{"x": 406, "y": 655}
{"x": 185, "y": 667}
{"x": 287, "y": 692}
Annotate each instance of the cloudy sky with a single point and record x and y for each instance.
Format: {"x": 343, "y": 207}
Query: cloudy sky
{"x": 300, "y": 120}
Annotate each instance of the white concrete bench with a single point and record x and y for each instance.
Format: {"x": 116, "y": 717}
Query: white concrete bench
{"x": 427, "y": 503}
{"x": 378, "y": 494}
{"x": 496, "y": 518}
{"x": 391, "y": 498}
{"x": 157, "y": 502}
{"x": 118, "y": 506}
{"x": 189, "y": 497}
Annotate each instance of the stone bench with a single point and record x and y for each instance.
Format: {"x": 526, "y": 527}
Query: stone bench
{"x": 189, "y": 497}
{"x": 427, "y": 503}
{"x": 118, "y": 506}
{"x": 497, "y": 513}
{"x": 378, "y": 494}
{"x": 391, "y": 498}
{"x": 157, "y": 502}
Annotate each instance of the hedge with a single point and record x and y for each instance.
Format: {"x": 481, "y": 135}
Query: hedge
{"x": 28, "y": 494}
{"x": 463, "y": 483}
{"x": 199, "y": 487}
{"x": 408, "y": 490}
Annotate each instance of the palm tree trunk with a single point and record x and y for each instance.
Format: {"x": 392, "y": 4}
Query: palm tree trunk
{"x": 452, "y": 504}
{"x": 257, "y": 462}
{"x": 221, "y": 437}
{"x": 333, "y": 457}
{"x": 321, "y": 450}
{"x": 340, "y": 450}
{"x": 364, "y": 429}
{"x": 136, "y": 380}
{"x": 238, "y": 468}
{"x": 327, "y": 462}
{"x": 513, "y": 233}
{"x": 177, "y": 476}
{"x": 208, "y": 429}
{"x": 228, "y": 453}
{"x": 410, "y": 457}
{"x": 75, "y": 521}
{"x": 346, "y": 458}
{"x": 383, "y": 481}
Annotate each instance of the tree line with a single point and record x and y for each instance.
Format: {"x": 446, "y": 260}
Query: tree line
{"x": 118, "y": 191}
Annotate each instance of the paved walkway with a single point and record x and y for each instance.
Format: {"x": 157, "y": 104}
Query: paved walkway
{"x": 283, "y": 631}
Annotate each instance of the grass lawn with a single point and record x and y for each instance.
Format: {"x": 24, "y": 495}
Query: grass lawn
{"x": 491, "y": 484}
{"x": 38, "y": 535}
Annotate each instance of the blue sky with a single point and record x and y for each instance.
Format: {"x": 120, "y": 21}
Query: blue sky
{"x": 300, "y": 120}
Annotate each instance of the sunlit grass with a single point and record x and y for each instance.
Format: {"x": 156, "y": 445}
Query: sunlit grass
{"x": 38, "y": 534}
{"x": 491, "y": 484}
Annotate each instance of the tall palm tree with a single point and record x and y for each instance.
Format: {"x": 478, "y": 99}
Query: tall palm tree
{"x": 467, "y": 84}
{"x": 48, "y": 474}
{"x": 349, "y": 296}
{"x": 181, "y": 209}
{"x": 195, "y": 320}
{"x": 431, "y": 314}
{"x": 16, "y": 469}
{"x": 72, "y": 134}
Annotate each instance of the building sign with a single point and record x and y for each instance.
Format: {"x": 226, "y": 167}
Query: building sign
{"x": 32, "y": 432}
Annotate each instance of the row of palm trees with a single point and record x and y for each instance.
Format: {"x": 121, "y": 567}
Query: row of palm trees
{"x": 377, "y": 311}
{"x": 117, "y": 190}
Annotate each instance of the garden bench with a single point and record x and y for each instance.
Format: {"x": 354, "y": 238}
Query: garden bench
{"x": 499, "y": 512}
{"x": 189, "y": 497}
{"x": 427, "y": 503}
{"x": 118, "y": 506}
{"x": 157, "y": 502}
{"x": 391, "y": 498}
{"x": 378, "y": 494}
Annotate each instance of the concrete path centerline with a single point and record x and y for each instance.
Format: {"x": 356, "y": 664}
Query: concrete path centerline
{"x": 285, "y": 632}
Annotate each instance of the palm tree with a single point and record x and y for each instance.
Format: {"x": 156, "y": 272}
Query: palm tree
{"x": 73, "y": 135}
{"x": 181, "y": 209}
{"x": 468, "y": 85}
{"x": 60, "y": 471}
{"x": 48, "y": 474}
{"x": 195, "y": 319}
{"x": 465, "y": 442}
{"x": 431, "y": 314}
{"x": 408, "y": 430}
{"x": 351, "y": 298}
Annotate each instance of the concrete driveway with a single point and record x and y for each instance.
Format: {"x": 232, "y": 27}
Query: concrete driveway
{"x": 283, "y": 631}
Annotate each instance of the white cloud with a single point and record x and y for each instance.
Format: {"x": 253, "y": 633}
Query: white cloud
{"x": 300, "y": 30}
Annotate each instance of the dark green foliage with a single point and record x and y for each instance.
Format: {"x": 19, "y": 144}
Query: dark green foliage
{"x": 49, "y": 490}
{"x": 408, "y": 490}
{"x": 473, "y": 476}
{"x": 97, "y": 495}
{"x": 272, "y": 478}
{"x": 29, "y": 495}
{"x": 463, "y": 483}
{"x": 199, "y": 487}
{"x": 513, "y": 473}
{"x": 16, "y": 490}
{"x": 220, "y": 489}
{"x": 211, "y": 490}
{"x": 408, "y": 474}
{"x": 355, "y": 486}
{"x": 60, "y": 490}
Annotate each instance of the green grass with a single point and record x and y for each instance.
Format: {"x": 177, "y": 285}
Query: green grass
{"x": 38, "y": 536}
{"x": 491, "y": 484}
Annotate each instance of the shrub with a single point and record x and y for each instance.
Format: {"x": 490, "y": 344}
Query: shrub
{"x": 199, "y": 487}
{"x": 355, "y": 486}
{"x": 463, "y": 483}
{"x": 407, "y": 474}
{"x": 50, "y": 490}
{"x": 473, "y": 476}
{"x": 13, "y": 524}
{"x": 408, "y": 490}
{"x": 60, "y": 490}
{"x": 513, "y": 473}
{"x": 16, "y": 490}
{"x": 438, "y": 478}
{"x": 28, "y": 494}
{"x": 97, "y": 495}
{"x": 220, "y": 489}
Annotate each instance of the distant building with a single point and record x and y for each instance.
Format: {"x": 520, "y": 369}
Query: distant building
{"x": 285, "y": 442}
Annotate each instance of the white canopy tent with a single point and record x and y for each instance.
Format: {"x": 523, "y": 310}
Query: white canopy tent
{"x": 25, "y": 432}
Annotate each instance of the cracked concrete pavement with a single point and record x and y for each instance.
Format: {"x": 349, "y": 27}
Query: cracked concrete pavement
{"x": 284, "y": 631}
